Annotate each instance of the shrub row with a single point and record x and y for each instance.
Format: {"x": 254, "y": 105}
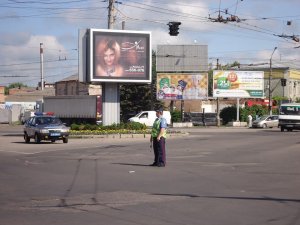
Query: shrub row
{"x": 114, "y": 127}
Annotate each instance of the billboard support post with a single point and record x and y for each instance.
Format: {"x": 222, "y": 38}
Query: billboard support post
{"x": 111, "y": 104}
{"x": 182, "y": 110}
{"x": 237, "y": 110}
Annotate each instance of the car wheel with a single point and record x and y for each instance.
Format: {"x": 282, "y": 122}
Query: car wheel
{"x": 264, "y": 125}
{"x": 65, "y": 140}
{"x": 26, "y": 138}
{"x": 37, "y": 139}
{"x": 52, "y": 141}
{"x": 282, "y": 129}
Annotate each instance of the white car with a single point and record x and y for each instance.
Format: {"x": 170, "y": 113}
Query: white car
{"x": 148, "y": 117}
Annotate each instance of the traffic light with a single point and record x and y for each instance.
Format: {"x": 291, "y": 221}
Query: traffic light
{"x": 283, "y": 82}
{"x": 174, "y": 27}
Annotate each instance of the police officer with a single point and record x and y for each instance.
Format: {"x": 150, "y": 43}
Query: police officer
{"x": 158, "y": 139}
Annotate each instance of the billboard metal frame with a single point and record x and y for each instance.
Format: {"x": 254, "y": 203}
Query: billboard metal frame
{"x": 133, "y": 73}
{"x": 182, "y": 86}
{"x": 238, "y": 84}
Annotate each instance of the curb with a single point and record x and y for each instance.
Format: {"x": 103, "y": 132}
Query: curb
{"x": 125, "y": 136}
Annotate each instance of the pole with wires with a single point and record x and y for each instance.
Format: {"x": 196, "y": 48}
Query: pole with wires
{"x": 111, "y": 9}
{"x": 42, "y": 65}
{"x": 270, "y": 79}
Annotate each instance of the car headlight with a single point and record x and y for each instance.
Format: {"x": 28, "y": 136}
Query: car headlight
{"x": 65, "y": 130}
{"x": 44, "y": 131}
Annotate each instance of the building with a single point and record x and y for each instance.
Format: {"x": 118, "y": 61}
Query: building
{"x": 292, "y": 79}
{"x": 72, "y": 86}
{"x": 2, "y": 94}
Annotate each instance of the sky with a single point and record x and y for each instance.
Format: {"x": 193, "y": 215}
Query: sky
{"x": 263, "y": 25}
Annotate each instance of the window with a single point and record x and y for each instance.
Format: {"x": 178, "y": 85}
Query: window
{"x": 144, "y": 115}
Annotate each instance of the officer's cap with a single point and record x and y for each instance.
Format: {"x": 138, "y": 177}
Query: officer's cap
{"x": 159, "y": 110}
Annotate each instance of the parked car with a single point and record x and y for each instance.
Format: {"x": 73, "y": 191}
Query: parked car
{"x": 266, "y": 121}
{"x": 148, "y": 117}
{"x": 45, "y": 126}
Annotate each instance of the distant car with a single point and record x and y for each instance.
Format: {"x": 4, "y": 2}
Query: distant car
{"x": 45, "y": 126}
{"x": 148, "y": 117}
{"x": 266, "y": 121}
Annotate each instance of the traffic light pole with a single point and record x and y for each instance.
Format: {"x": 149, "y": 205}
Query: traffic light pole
{"x": 270, "y": 79}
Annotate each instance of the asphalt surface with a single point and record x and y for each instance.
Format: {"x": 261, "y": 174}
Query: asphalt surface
{"x": 214, "y": 176}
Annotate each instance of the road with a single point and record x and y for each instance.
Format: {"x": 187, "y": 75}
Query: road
{"x": 214, "y": 176}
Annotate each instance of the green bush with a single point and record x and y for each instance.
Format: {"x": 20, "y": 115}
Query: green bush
{"x": 176, "y": 116}
{"x": 74, "y": 126}
{"x": 121, "y": 126}
{"x": 135, "y": 126}
{"x": 228, "y": 114}
{"x": 90, "y": 127}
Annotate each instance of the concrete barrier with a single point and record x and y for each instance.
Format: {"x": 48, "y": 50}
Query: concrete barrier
{"x": 184, "y": 124}
{"x": 237, "y": 124}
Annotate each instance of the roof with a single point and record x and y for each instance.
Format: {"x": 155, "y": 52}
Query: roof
{"x": 70, "y": 78}
{"x": 32, "y": 96}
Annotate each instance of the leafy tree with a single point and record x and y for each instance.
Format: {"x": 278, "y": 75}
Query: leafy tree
{"x": 230, "y": 66}
{"x": 210, "y": 83}
{"x": 14, "y": 85}
{"x": 17, "y": 85}
{"x": 228, "y": 114}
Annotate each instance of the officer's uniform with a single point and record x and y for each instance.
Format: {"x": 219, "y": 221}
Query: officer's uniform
{"x": 159, "y": 147}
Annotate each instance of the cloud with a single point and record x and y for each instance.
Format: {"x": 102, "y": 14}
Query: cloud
{"x": 23, "y": 57}
{"x": 27, "y": 47}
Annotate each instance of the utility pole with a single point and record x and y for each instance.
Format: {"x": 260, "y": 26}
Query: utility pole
{"x": 270, "y": 80}
{"x": 111, "y": 9}
{"x": 218, "y": 102}
{"x": 42, "y": 65}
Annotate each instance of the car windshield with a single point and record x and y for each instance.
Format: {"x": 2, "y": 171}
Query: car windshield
{"x": 262, "y": 117}
{"x": 290, "y": 110}
{"x": 48, "y": 120}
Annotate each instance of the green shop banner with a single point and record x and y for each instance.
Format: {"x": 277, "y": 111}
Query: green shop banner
{"x": 238, "y": 84}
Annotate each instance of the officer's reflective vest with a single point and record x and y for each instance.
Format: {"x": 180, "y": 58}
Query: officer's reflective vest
{"x": 156, "y": 129}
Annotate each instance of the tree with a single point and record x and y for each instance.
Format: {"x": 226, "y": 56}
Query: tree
{"x": 230, "y": 66}
{"x": 14, "y": 85}
{"x": 210, "y": 83}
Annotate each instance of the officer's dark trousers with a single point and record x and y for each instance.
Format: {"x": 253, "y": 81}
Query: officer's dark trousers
{"x": 159, "y": 148}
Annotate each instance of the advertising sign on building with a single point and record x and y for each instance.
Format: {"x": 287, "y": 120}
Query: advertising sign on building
{"x": 181, "y": 86}
{"x": 238, "y": 84}
{"x": 119, "y": 56}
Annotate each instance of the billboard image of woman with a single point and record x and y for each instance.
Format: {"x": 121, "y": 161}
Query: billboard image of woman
{"x": 120, "y": 56}
{"x": 108, "y": 54}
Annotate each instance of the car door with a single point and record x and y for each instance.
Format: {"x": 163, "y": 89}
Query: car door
{"x": 274, "y": 121}
{"x": 143, "y": 118}
{"x": 31, "y": 127}
{"x": 269, "y": 121}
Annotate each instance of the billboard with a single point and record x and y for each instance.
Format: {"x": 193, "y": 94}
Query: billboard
{"x": 182, "y": 58}
{"x": 238, "y": 84}
{"x": 181, "y": 86}
{"x": 119, "y": 56}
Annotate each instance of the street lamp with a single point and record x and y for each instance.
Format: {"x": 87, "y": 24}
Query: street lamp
{"x": 270, "y": 75}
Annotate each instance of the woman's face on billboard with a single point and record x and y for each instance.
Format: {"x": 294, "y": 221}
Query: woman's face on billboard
{"x": 109, "y": 57}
